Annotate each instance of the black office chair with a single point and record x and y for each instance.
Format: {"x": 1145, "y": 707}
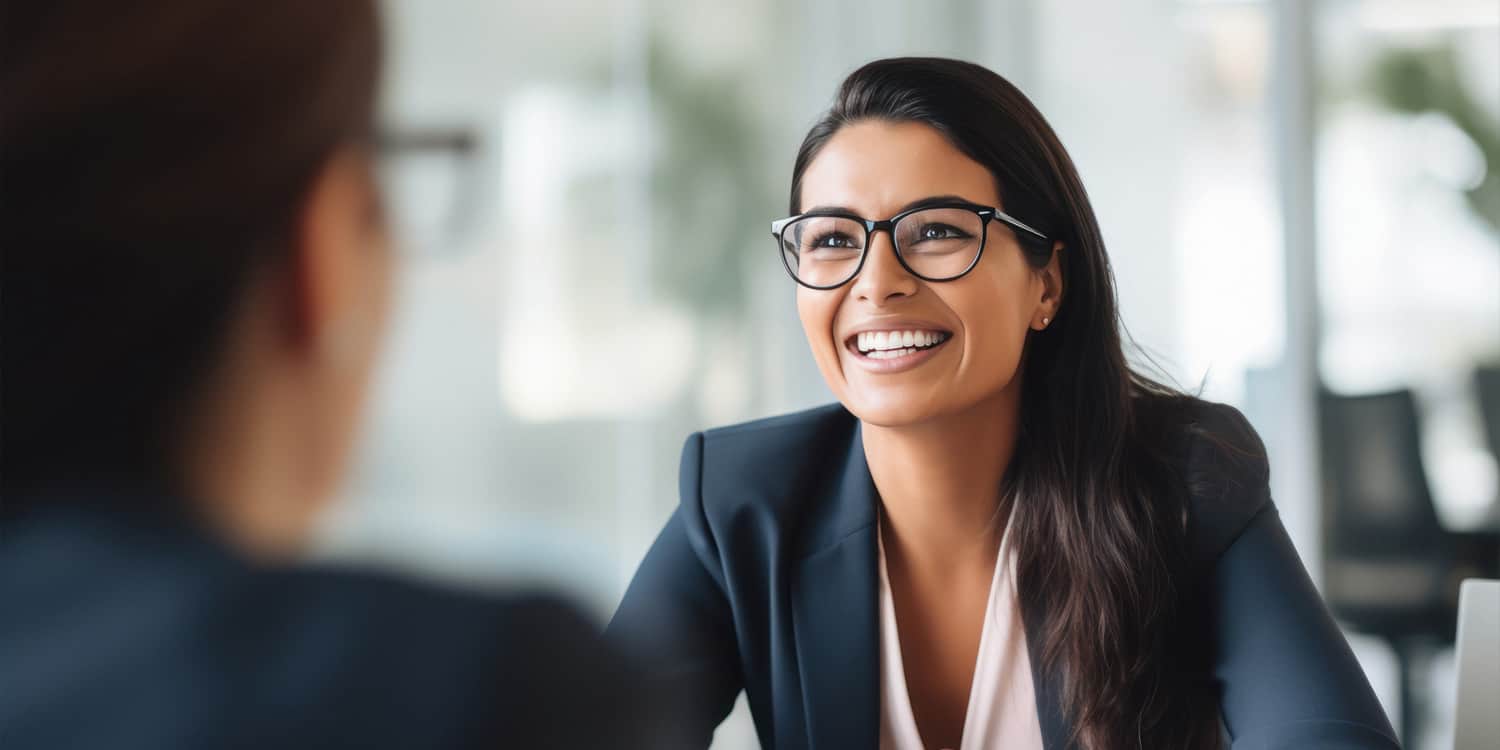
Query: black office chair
{"x": 1390, "y": 569}
{"x": 1487, "y": 382}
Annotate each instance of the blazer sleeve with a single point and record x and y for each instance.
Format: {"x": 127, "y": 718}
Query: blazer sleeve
{"x": 1287, "y": 677}
{"x": 675, "y": 618}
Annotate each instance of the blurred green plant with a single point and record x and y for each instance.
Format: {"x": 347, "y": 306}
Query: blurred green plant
{"x": 709, "y": 184}
{"x": 710, "y": 196}
{"x": 1428, "y": 80}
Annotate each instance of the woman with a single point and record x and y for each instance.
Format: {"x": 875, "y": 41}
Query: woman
{"x": 196, "y": 281}
{"x": 1002, "y": 536}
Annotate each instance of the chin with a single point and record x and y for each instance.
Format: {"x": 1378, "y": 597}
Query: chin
{"x": 891, "y": 409}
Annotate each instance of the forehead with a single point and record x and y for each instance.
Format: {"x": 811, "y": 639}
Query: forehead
{"x": 875, "y": 168}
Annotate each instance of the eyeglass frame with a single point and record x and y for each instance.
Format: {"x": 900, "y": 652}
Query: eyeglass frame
{"x": 986, "y": 213}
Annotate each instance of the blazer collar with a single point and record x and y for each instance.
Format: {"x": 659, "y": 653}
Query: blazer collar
{"x": 836, "y": 619}
{"x": 835, "y": 612}
{"x": 1047, "y": 687}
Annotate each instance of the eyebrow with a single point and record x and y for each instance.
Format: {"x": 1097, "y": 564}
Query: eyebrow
{"x": 918, "y": 203}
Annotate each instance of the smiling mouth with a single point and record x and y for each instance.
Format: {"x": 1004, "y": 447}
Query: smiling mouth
{"x": 895, "y": 344}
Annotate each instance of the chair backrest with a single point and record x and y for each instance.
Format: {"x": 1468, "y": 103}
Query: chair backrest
{"x": 1376, "y": 497}
{"x": 1487, "y": 380}
{"x": 1476, "y": 723}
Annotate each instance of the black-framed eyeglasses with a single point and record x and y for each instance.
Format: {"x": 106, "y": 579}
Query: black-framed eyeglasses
{"x": 430, "y": 178}
{"x": 934, "y": 242}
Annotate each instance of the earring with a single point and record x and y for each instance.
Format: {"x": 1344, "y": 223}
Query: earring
{"x": 1045, "y": 321}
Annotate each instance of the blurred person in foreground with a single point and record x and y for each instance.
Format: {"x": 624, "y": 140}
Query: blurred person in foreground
{"x": 196, "y": 278}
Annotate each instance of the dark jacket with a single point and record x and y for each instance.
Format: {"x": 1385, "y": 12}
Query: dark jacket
{"x": 765, "y": 580}
{"x": 135, "y": 629}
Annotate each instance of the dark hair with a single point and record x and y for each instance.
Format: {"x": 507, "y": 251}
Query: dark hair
{"x": 152, "y": 159}
{"x": 1100, "y": 531}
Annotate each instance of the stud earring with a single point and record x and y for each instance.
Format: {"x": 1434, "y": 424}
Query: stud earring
{"x": 1045, "y": 321}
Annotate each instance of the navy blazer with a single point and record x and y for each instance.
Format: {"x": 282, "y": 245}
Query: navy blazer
{"x": 765, "y": 580}
{"x": 130, "y": 629}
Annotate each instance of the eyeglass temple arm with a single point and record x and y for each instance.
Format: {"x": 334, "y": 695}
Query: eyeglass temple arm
{"x": 1015, "y": 223}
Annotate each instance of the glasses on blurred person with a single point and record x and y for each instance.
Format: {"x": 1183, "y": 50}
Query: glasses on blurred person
{"x": 430, "y": 177}
{"x": 934, "y": 242}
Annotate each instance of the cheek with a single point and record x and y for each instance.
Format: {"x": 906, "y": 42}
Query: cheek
{"x": 995, "y": 321}
{"x": 994, "y": 352}
{"x": 817, "y": 311}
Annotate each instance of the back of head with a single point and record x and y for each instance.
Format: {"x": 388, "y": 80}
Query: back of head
{"x": 152, "y": 157}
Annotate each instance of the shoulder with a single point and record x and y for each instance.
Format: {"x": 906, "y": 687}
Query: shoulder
{"x": 1221, "y": 437}
{"x": 372, "y": 605}
{"x": 767, "y": 459}
{"x": 517, "y": 662}
{"x": 1226, "y": 473}
{"x": 131, "y": 619}
{"x": 346, "y": 612}
{"x": 777, "y": 479}
{"x": 776, "y": 437}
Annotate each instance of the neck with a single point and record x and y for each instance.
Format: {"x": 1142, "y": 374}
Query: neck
{"x": 238, "y": 453}
{"x": 939, "y": 482}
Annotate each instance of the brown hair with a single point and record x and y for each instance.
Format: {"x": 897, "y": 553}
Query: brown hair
{"x": 1099, "y": 501}
{"x": 152, "y": 157}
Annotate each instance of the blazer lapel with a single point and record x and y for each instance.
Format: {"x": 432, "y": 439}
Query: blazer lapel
{"x": 835, "y": 615}
{"x": 1048, "y": 688}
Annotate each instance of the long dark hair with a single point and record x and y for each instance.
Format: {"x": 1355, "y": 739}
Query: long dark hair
{"x": 152, "y": 158}
{"x": 1099, "y": 502}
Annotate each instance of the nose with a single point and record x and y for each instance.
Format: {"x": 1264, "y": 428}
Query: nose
{"x": 883, "y": 278}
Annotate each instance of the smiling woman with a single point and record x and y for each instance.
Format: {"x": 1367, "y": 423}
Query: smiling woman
{"x": 1001, "y": 536}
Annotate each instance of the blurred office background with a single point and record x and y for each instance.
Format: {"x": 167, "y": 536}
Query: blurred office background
{"x": 1301, "y": 198}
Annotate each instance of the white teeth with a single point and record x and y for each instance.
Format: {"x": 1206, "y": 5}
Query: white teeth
{"x": 895, "y": 343}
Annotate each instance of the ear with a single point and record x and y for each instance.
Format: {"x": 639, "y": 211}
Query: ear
{"x": 329, "y": 233}
{"x": 1052, "y": 290}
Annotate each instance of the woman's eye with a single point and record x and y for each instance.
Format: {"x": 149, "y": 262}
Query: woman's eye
{"x": 941, "y": 232}
{"x": 835, "y": 241}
